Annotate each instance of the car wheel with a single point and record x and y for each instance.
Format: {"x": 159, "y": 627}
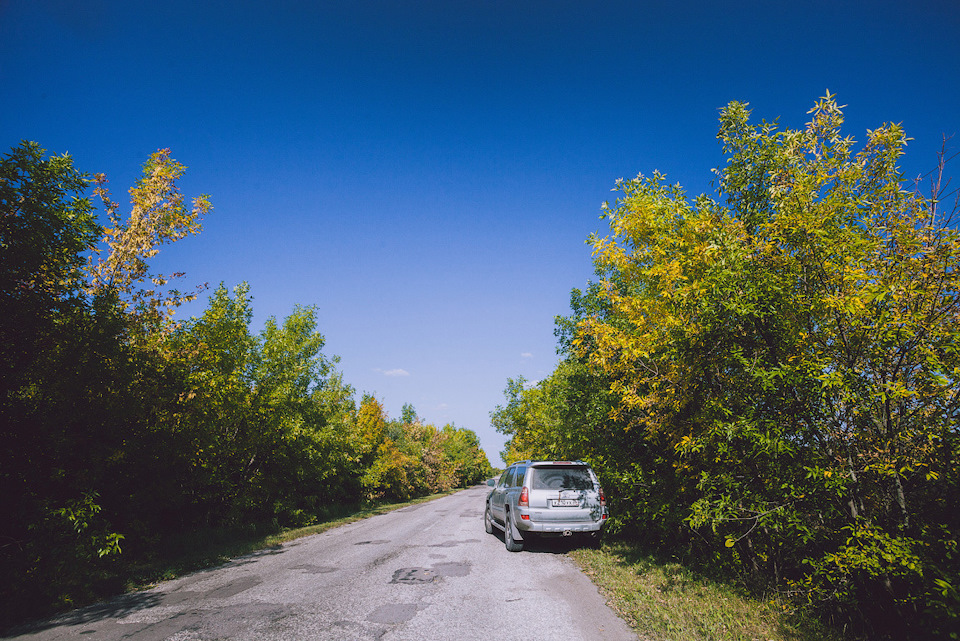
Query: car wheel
{"x": 487, "y": 523}
{"x": 511, "y": 543}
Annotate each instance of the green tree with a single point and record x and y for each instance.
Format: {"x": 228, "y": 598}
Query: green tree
{"x": 55, "y": 344}
{"x": 464, "y": 460}
{"x": 408, "y": 414}
{"x": 216, "y": 351}
{"x": 790, "y": 350}
{"x": 290, "y": 444}
{"x": 47, "y": 223}
{"x": 271, "y": 420}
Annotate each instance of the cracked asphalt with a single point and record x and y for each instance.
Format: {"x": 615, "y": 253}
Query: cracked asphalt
{"x": 425, "y": 572}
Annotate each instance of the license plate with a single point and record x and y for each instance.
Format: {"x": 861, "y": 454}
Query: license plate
{"x": 565, "y": 503}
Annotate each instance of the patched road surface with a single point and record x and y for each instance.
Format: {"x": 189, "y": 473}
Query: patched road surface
{"x": 425, "y": 572}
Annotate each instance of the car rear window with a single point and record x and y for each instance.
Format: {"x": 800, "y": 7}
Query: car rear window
{"x": 562, "y": 478}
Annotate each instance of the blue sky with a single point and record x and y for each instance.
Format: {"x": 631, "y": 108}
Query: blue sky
{"x": 426, "y": 173}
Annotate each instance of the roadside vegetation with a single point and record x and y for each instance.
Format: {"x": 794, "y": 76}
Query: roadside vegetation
{"x": 767, "y": 381}
{"x": 125, "y": 431}
{"x": 664, "y": 599}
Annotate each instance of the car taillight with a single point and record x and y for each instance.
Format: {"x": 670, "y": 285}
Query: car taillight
{"x": 524, "y": 498}
{"x": 603, "y": 497}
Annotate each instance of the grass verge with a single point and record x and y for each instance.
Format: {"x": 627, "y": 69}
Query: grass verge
{"x": 662, "y": 600}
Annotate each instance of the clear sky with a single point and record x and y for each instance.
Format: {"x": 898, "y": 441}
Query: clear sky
{"x": 426, "y": 172}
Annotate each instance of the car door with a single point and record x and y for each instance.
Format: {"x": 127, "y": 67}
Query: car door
{"x": 518, "y": 478}
{"x": 498, "y": 495}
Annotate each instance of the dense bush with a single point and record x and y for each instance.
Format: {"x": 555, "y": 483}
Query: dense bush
{"x": 772, "y": 377}
{"x": 122, "y": 429}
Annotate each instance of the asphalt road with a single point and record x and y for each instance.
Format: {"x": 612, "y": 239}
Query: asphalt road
{"x": 424, "y": 572}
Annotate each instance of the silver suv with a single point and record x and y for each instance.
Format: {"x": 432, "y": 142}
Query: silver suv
{"x": 546, "y": 498}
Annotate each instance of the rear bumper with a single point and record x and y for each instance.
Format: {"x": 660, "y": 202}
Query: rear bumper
{"x": 528, "y": 523}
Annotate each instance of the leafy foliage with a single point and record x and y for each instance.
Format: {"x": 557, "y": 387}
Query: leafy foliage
{"x": 416, "y": 459}
{"x": 780, "y": 370}
{"x": 122, "y": 429}
{"x": 158, "y": 216}
{"x": 60, "y": 374}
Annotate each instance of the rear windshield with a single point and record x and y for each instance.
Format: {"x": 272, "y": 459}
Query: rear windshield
{"x": 562, "y": 478}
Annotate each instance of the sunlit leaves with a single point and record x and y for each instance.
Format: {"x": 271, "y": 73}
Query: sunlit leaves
{"x": 122, "y": 426}
{"x": 158, "y": 216}
{"x": 413, "y": 458}
{"x": 790, "y": 346}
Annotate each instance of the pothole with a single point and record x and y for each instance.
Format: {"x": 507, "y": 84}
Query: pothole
{"x": 414, "y": 575}
{"x": 429, "y": 575}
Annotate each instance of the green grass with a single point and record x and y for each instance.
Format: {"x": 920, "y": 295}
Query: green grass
{"x": 662, "y": 600}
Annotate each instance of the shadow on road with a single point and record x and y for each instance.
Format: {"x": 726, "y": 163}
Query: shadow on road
{"x": 116, "y": 608}
{"x": 252, "y": 557}
{"x": 125, "y": 605}
{"x": 549, "y": 545}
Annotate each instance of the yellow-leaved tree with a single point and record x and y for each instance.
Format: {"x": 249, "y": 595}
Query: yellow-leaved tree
{"x": 791, "y": 348}
{"x": 158, "y": 215}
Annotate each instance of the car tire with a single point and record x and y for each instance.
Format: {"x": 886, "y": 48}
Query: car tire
{"x": 511, "y": 543}
{"x": 487, "y": 522}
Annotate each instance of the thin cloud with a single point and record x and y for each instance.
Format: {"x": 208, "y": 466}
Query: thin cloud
{"x": 394, "y": 372}
{"x": 526, "y": 355}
